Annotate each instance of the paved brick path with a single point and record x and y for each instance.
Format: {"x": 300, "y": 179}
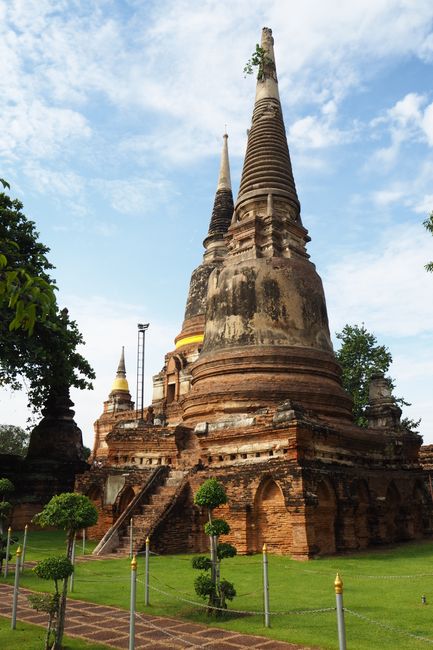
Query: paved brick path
{"x": 110, "y": 626}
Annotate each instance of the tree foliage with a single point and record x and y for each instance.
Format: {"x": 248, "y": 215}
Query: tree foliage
{"x": 38, "y": 340}
{"x": 210, "y": 495}
{"x": 71, "y": 512}
{"x": 360, "y": 357}
{"x": 428, "y": 225}
{"x": 6, "y": 487}
{"x": 13, "y": 440}
{"x": 56, "y": 569}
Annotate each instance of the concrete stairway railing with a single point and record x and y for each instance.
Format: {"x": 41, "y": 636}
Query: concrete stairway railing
{"x": 111, "y": 539}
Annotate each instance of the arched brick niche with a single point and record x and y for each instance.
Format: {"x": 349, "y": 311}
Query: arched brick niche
{"x": 125, "y": 499}
{"x": 324, "y": 517}
{"x": 361, "y": 495}
{"x": 420, "y": 510}
{"x": 273, "y": 524}
{"x": 394, "y": 516}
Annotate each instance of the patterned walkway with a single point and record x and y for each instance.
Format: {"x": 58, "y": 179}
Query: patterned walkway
{"x": 110, "y": 626}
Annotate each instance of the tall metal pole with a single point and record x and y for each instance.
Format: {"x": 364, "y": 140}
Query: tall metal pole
{"x": 71, "y": 579}
{"x": 8, "y": 545}
{"x": 146, "y": 574}
{"x": 338, "y": 584}
{"x": 142, "y": 327}
{"x": 16, "y": 589}
{"x": 132, "y": 603}
{"x": 266, "y": 586}
{"x": 23, "y": 557}
{"x": 131, "y": 538}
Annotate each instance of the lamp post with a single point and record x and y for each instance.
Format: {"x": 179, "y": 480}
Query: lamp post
{"x": 141, "y": 347}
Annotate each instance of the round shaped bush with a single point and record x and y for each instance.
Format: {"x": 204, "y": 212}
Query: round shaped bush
{"x": 210, "y": 494}
{"x": 54, "y": 568}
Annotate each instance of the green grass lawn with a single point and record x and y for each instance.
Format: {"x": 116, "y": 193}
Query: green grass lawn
{"x": 385, "y": 586}
{"x": 32, "y": 637}
{"x": 43, "y": 543}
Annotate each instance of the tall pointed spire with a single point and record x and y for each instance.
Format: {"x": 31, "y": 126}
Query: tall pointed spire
{"x": 215, "y": 252}
{"x": 267, "y": 189}
{"x": 266, "y": 336}
{"x": 223, "y": 207}
{"x": 267, "y": 82}
{"x": 224, "y": 180}
{"x": 121, "y": 383}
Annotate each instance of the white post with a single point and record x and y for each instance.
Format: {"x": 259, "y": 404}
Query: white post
{"x": 71, "y": 578}
{"x": 266, "y": 587}
{"x": 131, "y": 539}
{"x": 23, "y": 557}
{"x": 146, "y": 574}
{"x": 132, "y": 605}
{"x": 8, "y": 545}
{"x": 16, "y": 589}
{"x": 338, "y": 584}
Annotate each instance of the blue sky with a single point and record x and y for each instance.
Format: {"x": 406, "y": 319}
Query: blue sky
{"x": 111, "y": 117}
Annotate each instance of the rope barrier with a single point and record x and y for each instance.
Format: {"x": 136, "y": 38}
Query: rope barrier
{"x": 361, "y": 576}
{"x": 250, "y": 593}
{"x": 390, "y": 628}
{"x": 239, "y": 611}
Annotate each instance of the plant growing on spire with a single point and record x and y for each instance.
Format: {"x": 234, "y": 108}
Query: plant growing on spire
{"x": 210, "y": 495}
{"x": 258, "y": 60}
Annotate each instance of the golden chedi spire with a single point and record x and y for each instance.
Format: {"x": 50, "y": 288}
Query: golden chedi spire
{"x": 266, "y": 335}
{"x": 120, "y": 384}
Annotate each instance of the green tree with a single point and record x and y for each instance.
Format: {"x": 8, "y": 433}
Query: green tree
{"x": 6, "y": 487}
{"x": 38, "y": 340}
{"x": 428, "y": 224}
{"x": 56, "y": 569}
{"x": 71, "y": 512}
{"x": 13, "y": 440}
{"x": 360, "y": 357}
{"x": 210, "y": 495}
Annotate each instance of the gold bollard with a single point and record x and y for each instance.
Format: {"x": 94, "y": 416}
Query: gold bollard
{"x": 16, "y": 589}
{"x": 132, "y": 603}
{"x": 338, "y": 585}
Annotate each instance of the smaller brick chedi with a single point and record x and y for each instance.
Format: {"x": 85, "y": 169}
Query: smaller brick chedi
{"x": 252, "y": 394}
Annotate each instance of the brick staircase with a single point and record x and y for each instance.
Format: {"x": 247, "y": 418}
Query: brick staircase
{"x": 146, "y": 513}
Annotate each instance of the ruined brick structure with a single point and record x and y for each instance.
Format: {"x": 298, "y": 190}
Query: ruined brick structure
{"x": 252, "y": 394}
{"x": 54, "y": 458}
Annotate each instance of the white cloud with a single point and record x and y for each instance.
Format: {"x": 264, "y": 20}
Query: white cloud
{"x": 134, "y": 196}
{"x": 409, "y": 119}
{"x": 387, "y": 197}
{"x": 185, "y": 61}
{"x": 313, "y": 132}
{"x": 427, "y": 123}
{"x": 386, "y": 287}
